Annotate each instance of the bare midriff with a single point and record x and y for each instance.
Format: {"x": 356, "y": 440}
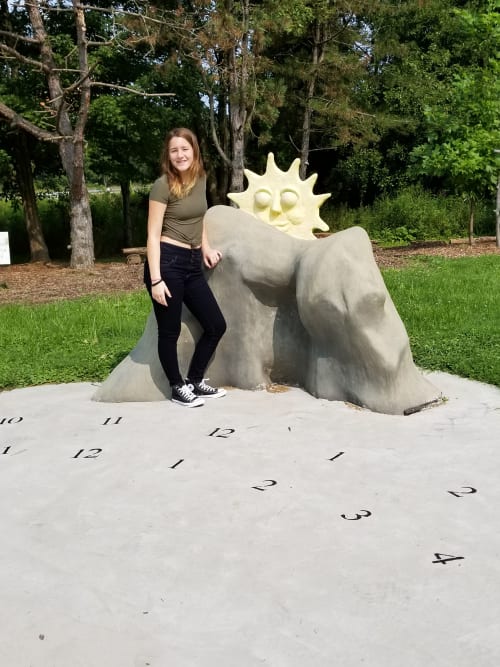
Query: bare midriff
{"x": 180, "y": 244}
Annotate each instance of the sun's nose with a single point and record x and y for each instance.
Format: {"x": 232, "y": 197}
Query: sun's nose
{"x": 276, "y": 203}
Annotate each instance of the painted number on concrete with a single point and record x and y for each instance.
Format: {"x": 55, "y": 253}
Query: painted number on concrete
{"x": 109, "y": 421}
{"x": 92, "y": 453}
{"x": 446, "y": 558}
{"x": 267, "y": 483}
{"x": 363, "y": 515}
{"x": 222, "y": 432}
{"x": 459, "y": 494}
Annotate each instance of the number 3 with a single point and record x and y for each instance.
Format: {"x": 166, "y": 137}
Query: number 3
{"x": 357, "y": 517}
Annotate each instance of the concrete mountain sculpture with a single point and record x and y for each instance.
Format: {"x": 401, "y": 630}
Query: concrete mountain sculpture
{"x": 314, "y": 314}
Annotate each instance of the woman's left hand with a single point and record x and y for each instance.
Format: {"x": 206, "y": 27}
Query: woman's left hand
{"x": 212, "y": 258}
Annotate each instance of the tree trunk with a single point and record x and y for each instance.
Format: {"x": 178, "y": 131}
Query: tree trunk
{"x": 213, "y": 177}
{"x": 225, "y": 141}
{"x": 471, "y": 220}
{"x": 38, "y": 248}
{"x": 238, "y": 146}
{"x": 238, "y": 101}
{"x": 317, "y": 58}
{"x": 71, "y": 145}
{"x": 82, "y": 238}
{"x": 127, "y": 222}
{"x": 306, "y": 134}
{"x": 231, "y": 112}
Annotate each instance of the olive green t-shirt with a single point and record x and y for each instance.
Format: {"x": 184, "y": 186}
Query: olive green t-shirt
{"x": 183, "y": 219}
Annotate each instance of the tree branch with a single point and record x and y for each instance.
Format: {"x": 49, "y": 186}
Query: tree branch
{"x": 17, "y": 37}
{"x": 17, "y": 121}
{"x": 13, "y": 53}
{"x": 213, "y": 129}
{"x": 104, "y": 10}
{"x": 129, "y": 90}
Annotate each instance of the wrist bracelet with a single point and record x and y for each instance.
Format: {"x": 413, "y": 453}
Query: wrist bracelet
{"x": 157, "y": 282}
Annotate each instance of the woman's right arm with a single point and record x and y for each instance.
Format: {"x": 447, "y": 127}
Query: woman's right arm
{"x": 155, "y": 223}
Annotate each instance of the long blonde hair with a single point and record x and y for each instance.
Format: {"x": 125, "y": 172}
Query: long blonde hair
{"x": 177, "y": 187}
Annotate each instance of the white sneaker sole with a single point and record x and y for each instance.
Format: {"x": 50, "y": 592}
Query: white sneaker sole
{"x": 219, "y": 394}
{"x": 197, "y": 403}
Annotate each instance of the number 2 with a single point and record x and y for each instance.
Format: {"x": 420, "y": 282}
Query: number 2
{"x": 458, "y": 494}
{"x": 265, "y": 485}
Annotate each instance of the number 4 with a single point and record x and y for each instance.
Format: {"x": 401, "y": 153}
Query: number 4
{"x": 445, "y": 558}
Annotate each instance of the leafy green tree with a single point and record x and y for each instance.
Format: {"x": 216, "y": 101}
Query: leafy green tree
{"x": 225, "y": 40}
{"x": 34, "y": 49}
{"x": 463, "y": 134}
{"x": 125, "y": 131}
{"x": 228, "y": 52}
{"x": 323, "y": 63}
{"x": 60, "y": 43}
{"x": 20, "y": 147}
{"x": 411, "y": 49}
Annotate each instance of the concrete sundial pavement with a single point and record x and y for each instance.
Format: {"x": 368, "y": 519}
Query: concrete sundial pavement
{"x": 261, "y": 529}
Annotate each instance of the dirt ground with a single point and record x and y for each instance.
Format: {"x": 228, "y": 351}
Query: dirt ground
{"x": 41, "y": 283}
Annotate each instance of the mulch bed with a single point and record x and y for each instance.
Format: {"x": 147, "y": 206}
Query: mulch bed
{"x": 42, "y": 283}
{"x": 398, "y": 257}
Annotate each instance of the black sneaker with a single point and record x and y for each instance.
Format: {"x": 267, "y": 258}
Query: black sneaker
{"x": 205, "y": 390}
{"x": 182, "y": 394}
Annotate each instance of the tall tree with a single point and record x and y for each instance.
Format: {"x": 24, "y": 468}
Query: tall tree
{"x": 68, "y": 130}
{"x": 464, "y": 131}
{"x": 125, "y": 131}
{"x": 226, "y": 49}
{"x": 21, "y": 141}
{"x": 225, "y": 40}
{"x": 61, "y": 41}
{"x": 19, "y": 146}
{"x": 411, "y": 50}
{"x": 331, "y": 58}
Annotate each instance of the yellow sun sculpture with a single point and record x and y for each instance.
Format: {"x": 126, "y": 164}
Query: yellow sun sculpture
{"x": 283, "y": 199}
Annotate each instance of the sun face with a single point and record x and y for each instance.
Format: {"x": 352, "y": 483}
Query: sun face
{"x": 283, "y": 199}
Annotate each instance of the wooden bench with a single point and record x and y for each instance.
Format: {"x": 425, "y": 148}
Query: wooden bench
{"x": 134, "y": 255}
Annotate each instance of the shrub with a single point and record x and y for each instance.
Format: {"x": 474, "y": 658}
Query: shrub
{"x": 54, "y": 217}
{"x": 414, "y": 214}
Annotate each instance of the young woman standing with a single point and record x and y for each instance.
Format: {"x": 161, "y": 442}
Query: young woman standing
{"x": 176, "y": 247}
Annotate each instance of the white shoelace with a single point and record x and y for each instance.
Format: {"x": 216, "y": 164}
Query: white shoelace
{"x": 185, "y": 391}
{"x": 204, "y": 385}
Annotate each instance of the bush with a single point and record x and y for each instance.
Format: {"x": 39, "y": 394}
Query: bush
{"x": 411, "y": 215}
{"x": 414, "y": 215}
{"x": 54, "y": 217}
{"x": 107, "y": 218}
{"x": 12, "y": 221}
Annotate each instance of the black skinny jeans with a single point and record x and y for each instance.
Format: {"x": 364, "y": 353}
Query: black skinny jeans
{"x": 181, "y": 269}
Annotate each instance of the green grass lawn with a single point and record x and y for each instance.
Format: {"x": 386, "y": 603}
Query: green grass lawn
{"x": 451, "y": 309}
{"x": 69, "y": 341}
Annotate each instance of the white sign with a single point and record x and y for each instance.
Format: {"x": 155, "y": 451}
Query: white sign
{"x": 4, "y": 248}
